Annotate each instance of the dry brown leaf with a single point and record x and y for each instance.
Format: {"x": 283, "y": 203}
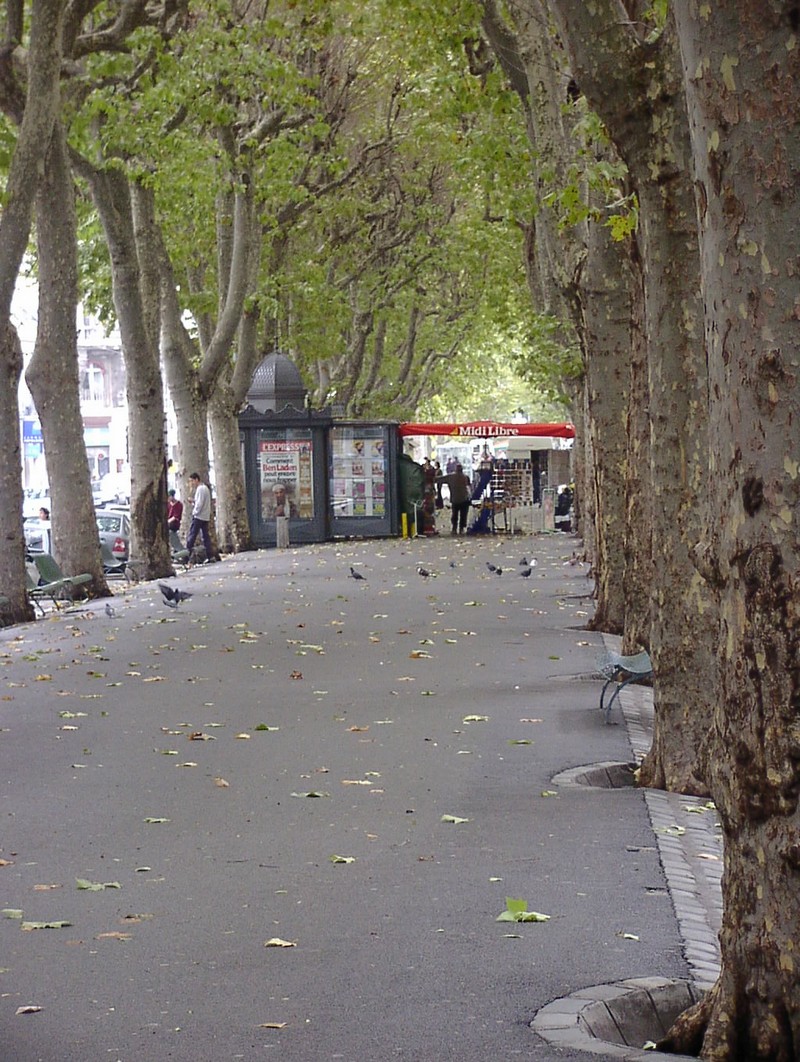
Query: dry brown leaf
{"x": 221, "y": 783}
{"x": 29, "y": 1009}
{"x": 6, "y": 862}
{"x": 273, "y": 1024}
{"x": 296, "y": 675}
{"x": 278, "y": 942}
{"x": 45, "y": 888}
{"x": 357, "y": 729}
{"x": 114, "y": 934}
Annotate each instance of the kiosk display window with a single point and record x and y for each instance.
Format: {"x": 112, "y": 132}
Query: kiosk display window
{"x": 359, "y": 473}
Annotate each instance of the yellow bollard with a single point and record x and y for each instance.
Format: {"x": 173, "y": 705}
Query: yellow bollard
{"x": 404, "y": 524}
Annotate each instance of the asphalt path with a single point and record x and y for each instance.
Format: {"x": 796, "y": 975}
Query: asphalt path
{"x": 212, "y": 760}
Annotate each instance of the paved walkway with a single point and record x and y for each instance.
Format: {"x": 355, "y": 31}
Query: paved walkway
{"x": 357, "y": 773}
{"x": 689, "y": 842}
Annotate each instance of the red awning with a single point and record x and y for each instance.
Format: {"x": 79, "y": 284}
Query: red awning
{"x": 489, "y": 429}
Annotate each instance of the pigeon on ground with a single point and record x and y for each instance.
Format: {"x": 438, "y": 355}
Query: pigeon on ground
{"x": 110, "y": 610}
{"x": 524, "y": 562}
{"x": 491, "y": 567}
{"x": 357, "y": 575}
{"x": 525, "y": 572}
{"x": 498, "y": 571}
{"x": 424, "y": 572}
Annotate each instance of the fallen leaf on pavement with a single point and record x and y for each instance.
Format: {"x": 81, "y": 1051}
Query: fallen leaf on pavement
{"x": 28, "y": 926}
{"x": 517, "y": 911}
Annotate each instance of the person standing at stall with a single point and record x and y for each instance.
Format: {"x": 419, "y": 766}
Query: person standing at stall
{"x": 460, "y": 495}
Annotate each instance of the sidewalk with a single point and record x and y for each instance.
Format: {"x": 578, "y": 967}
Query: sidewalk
{"x": 361, "y": 770}
{"x": 690, "y": 847}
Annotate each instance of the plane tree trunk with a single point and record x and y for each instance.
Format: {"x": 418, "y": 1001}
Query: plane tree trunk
{"x": 742, "y": 76}
{"x": 34, "y": 108}
{"x": 636, "y": 87}
{"x": 112, "y": 196}
{"x": 52, "y": 373}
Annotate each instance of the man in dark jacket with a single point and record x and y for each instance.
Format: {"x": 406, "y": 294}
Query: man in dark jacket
{"x": 460, "y": 495}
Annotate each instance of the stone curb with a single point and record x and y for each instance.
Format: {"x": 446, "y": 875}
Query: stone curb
{"x": 690, "y": 848}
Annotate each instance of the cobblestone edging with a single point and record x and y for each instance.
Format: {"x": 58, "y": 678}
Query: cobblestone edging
{"x": 690, "y": 848}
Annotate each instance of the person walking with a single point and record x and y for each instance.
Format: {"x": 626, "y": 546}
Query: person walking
{"x": 201, "y": 515}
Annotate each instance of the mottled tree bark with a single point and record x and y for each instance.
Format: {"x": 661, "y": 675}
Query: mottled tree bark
{"x": 639, "y": 562}
{"x": 40, "y": 100}
{"x": 52, "y": 373}
{"x": 742, "y": 74}
{"x": 606, "y": 290}
{"x": 636, "y": 87}
{"x": 149, "y": 540}
{"x": 232, "y": 523}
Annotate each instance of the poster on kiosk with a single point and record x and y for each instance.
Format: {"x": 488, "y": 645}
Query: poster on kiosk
{"x": 287, "y": 482}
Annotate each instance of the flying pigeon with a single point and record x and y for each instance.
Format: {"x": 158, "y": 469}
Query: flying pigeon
{"x": 172, "y": 595}
{"x": 110, "y": 610}
{"x": 357, "y": 575}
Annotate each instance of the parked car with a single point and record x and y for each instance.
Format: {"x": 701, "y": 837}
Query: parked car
{"x": 114, "y": 526}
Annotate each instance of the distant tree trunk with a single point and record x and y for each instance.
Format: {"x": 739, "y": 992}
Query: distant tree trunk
{"x": 185, "y": 390}
{"x": 605, "y": 288}
{"x": 233, "y": 526}
{"x": 742, "y": 76}
{"x": 229, "y": 398}
{"x": 15, "y": 606}
{"x": 636, "y": 88}
{"x": 41, "y": 102}
{"x": 639, "y": 561}
{"x": 579, "y": 275}
{"x": 52, "y": 373}
{"x": 150, "y": 544}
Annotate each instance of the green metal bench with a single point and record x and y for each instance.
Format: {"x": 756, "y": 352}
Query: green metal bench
{"x": 621, "y": 670}
{"x": 51, "y": 574}
{"x": 38, "y": 591}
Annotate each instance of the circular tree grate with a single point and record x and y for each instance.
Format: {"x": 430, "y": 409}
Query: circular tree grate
{"x": 617, "y": 1020}
{"x": 599, "y": 776}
